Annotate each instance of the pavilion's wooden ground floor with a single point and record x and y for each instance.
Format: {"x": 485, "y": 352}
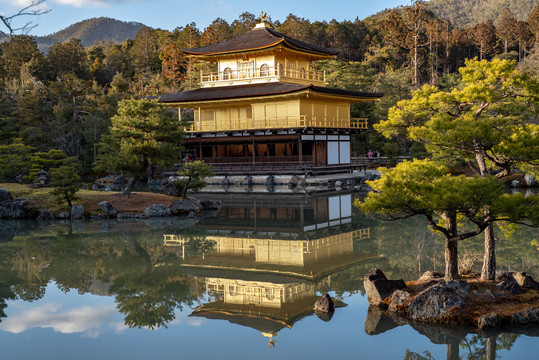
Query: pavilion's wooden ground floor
{"x": 263, "y": 148}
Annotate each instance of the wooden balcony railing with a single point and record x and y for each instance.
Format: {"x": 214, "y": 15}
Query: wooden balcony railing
{"x": 289, "y": 122}
{"x": 261, "y": 73}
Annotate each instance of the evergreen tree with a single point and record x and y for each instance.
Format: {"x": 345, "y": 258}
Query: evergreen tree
{"x": 65, "y": 180}
{"x": 486, "y": 119}
{"x": 143, "y": 133}
{"x": 506, "y": 27}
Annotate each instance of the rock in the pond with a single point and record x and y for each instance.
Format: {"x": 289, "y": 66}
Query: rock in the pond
{"x": 11, "y": 208}
{"x": 211, "y": 204}
{"x": 46, "y": 215}
{"x": 530, "y": 316}
{"x": 185, "y": 206}
{"x": 398, "y": 299}
{"x": 193, "y": 215}
{"x": 294, "y": 181}
{"x": 156, "y": 210}
{"x": 324, "y": 304}
{"x": 225, "y": 183}
{"x": 324, "y": 316}
{"x": 77, "y": 225}
{"x": 529, "y": 180}
{"x": 489, "y": 321}
{"x": 270, "y": 183}
{"x": 438, "y": 301}
{"x": 378, "y": 322}
{"x": 62, "y": 216}
{"x": 431, "y": 275}
{"x": 378, "y": 287}
{"x": 77, "y": 212}
{"x": 107, "y": 208}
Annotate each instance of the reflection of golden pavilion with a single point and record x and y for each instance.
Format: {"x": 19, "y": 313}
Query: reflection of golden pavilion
{"x": 266, "y": 306}
{"x": 306, "y": 236}
{"x": 258, "y": 293}
{"x": 305, "y": 258}
{"x": 270, "y": 255}
{"x": 268, "y": 284}
{"x": 280, "y": 216}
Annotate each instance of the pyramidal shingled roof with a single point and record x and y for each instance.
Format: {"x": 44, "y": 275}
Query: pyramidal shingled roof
{"x": 257, "y": 39}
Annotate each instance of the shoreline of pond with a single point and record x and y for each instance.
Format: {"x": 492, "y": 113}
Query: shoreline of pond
{"x": 512, "y": 300}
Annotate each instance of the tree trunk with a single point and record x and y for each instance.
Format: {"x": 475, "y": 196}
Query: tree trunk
{"x": 186, "y": 187}
{"x": 491, "y": 348}
{"x": 130, "y": 185}
{"x": 488, "y": 272}
{"x": 481, "y": 51}
{"x": 451, "y": 246}
{"x": 451, "y": 260}
{"x": 415, "y": 61}
{"x": 453, "y": 351}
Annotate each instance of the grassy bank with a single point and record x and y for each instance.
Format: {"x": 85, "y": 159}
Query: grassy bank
{"x": 42, "y": 198}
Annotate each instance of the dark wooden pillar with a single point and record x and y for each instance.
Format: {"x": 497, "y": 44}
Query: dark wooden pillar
{"x": 254, "y": 150}
{"x": 300, "y": 150}
{"x": 315, "y": 158}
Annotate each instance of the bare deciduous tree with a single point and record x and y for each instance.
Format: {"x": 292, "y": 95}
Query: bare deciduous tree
{"x": 33, "y": 9}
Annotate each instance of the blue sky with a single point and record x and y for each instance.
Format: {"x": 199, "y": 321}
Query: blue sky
{"x": 169, "y": 14}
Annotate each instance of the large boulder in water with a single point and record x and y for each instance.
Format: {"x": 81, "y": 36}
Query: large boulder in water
{"x": 185, "y": 206}
{"x": 439, "y": 301}
{"x": 11, "y": 208}
{"x": 107, "y": 208}
{"x": 156, "y": 210}
{"x": 211, "y": 204}
{"x": 324, "y": 304}
{"x": 77, "y": 212}
{"x": 378, "y": 287}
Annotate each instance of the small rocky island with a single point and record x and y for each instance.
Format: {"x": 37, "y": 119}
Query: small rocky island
{"x": 511, "y": 300}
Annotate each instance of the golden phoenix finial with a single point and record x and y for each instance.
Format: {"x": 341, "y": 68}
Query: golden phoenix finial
{"x": 263, "y": 16}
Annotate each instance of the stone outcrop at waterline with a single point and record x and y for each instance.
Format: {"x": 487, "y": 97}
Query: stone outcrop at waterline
{"x": 11, "y": 208}
{"x": 513, "y": 300}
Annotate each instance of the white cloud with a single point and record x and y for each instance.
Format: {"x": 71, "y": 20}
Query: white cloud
{"x": 16, "y": 5}
{"x": 87, "y": 319}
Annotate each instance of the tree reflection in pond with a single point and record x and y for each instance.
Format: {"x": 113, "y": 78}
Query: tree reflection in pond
{"x": 145, "y": 278}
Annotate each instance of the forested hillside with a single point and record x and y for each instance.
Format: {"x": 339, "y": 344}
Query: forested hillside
{"x": 91, "y": 31}
{"x": 65, "y": 99}
{"x": 465, "y": 13}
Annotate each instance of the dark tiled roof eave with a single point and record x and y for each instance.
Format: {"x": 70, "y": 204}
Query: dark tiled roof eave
{"x": 258, "y": 39}
{"x": 256, "y": 90}
{"x": 342, "y": 92}
{"x": 231, "y": 92}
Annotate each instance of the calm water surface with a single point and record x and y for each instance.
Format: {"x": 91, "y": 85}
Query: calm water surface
{"x": 240, "y": 283}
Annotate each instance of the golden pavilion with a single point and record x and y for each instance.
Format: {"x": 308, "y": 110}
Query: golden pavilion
{"x": 266, "y": 104}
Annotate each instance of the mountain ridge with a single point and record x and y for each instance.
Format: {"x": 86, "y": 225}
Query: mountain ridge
{"x": 466, "y": 13}
{"x": 92, "y": 30}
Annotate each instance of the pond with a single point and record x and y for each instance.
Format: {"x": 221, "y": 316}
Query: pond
{"x": 238, "y": 283}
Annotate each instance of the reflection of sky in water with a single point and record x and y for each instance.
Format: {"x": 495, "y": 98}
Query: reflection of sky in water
{"x": 74, "y": 326}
